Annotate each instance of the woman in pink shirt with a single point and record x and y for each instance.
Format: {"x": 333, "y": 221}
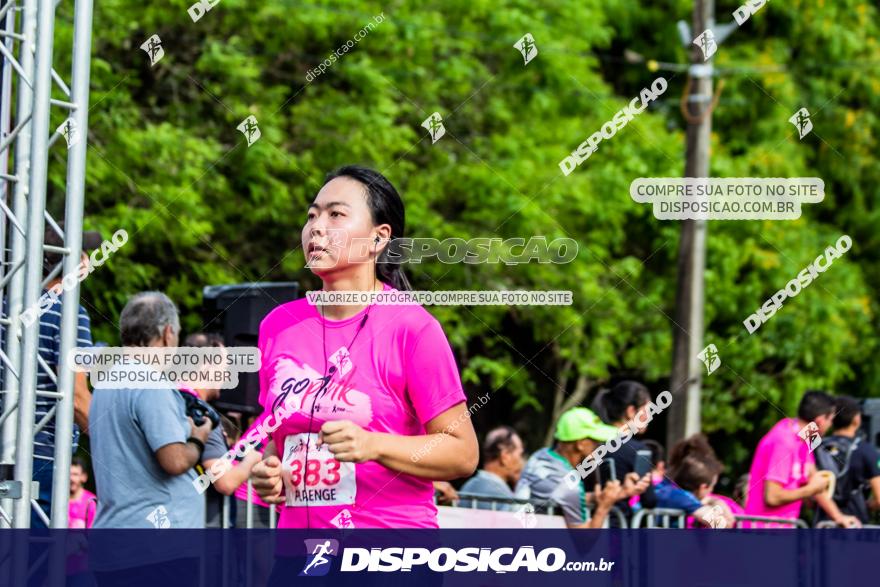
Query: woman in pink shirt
{"x": 364, "y": 403}
{"x": 80, "y": 514}
{"x": 82, "y": 504}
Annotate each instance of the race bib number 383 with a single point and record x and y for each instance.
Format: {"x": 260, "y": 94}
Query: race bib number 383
{"x": 317, "y": 480}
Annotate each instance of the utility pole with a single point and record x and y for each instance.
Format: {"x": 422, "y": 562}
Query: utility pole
{"x": 684, "y": 412}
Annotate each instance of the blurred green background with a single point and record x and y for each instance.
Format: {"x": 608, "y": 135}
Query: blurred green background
{"x": 167, "y": 164}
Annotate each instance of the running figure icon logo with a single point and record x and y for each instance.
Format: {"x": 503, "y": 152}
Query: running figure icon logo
{"x": 526, "y": 516}
{"x": 434, "y": 124}
{"x": 526, "y": 46}
{"x": 715, "y": 518}
{"x": 706, "y": 43}
{"x": 343, "y": 520}
{"x": 70, "y": 131}
{"x": 322, "y": 553}
{"x": 810, "y": 435}
{"x": 801, "y": 121}
{"x": 710, "y": 358}
{"x": 153, "y": 48}
{"x": 250, "y": 130}
{"x": 159, "y": 517}
{"x": 341, "y": 359}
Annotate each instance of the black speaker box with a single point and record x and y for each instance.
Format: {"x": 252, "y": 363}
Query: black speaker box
{"x": 235, "y": 311}
{"x": 871, "y": 421}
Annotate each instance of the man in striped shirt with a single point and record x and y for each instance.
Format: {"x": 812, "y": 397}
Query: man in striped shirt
{"x": 49, "y": 350}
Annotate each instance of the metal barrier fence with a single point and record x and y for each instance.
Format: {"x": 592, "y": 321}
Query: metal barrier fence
{"x": 649, "y": 517}
{"x": 783, "y": 522}
{"x": 680, "y": 517}
{"x": 228, "y": 520}
{"x": 665, "y": 514}
{"x": 493, "y": 503}
{"x": 829, "y": 524}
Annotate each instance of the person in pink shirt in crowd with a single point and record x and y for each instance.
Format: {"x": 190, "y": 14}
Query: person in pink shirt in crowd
{"x": 367, "y": 401}
{"x": 82, "y": 505}
{"x": 783, "y": 472}
{"x": 81, "y": 508}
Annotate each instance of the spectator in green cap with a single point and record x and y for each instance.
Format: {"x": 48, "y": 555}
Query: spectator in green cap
{"x": 578, "y": 433}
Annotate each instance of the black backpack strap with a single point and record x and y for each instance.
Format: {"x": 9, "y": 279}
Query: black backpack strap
{"x": 852, "y": 448}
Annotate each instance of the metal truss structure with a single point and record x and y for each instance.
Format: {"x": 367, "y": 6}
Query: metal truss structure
{"x": 27, "y": 78}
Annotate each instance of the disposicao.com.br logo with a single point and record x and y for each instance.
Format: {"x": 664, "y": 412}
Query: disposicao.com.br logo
{"x": 321, "y": 554}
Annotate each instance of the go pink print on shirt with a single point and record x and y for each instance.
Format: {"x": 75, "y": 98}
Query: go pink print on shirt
{"x": 309, "y": 392}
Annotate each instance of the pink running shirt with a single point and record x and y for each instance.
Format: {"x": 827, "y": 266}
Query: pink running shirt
{"x": 81, "y": 512}
{"x": 784, "y": 457}
{"x": 398, "y": 374}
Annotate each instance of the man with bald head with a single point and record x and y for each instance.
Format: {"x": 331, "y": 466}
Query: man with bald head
{"x": 502, "y": 465}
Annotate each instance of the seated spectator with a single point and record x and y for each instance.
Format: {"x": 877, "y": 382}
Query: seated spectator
{"x": 694, "y": 471}
{"x": 783, "y": 473}
{"x": 578, "y": 433}
{"x": 855, "y": 464}
{"x": 502, "y": 466}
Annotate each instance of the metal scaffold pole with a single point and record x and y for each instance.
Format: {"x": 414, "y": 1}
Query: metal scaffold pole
{"x": 42, "y": 84}
{"x": 73, "y": 216}
{"x": 13, "y": 270}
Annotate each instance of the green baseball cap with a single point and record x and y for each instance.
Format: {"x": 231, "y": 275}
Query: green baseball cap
{"x": 578, "y": 423}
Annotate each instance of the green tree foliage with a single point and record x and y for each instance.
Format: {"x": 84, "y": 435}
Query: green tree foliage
{"x": 201, "y": 207}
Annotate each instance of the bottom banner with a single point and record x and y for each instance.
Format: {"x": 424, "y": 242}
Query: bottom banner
{"x": 484, "y": 558}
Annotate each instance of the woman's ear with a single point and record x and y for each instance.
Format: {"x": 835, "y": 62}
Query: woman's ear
{"x": 631, "y": 412}
{"x": 381, "y": 237}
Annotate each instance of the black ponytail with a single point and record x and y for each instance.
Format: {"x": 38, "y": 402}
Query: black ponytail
{"x": 611, "y": 404}
{"x": 386, "y": 207}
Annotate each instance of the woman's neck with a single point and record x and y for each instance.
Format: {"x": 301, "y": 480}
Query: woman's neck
{"x": 360, "y": 282}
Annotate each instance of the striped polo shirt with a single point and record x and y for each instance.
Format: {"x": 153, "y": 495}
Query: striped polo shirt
{"x": 49, "y": 349}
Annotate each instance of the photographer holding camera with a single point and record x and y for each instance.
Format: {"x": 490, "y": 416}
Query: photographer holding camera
{"x": 144, "y": 448}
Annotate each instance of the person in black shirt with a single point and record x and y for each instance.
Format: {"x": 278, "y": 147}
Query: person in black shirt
{"x": 617, "y": 406}
{"x": 855, "y": 462}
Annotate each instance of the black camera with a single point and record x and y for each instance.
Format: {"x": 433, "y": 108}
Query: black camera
{"x": 198, "y": 410}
